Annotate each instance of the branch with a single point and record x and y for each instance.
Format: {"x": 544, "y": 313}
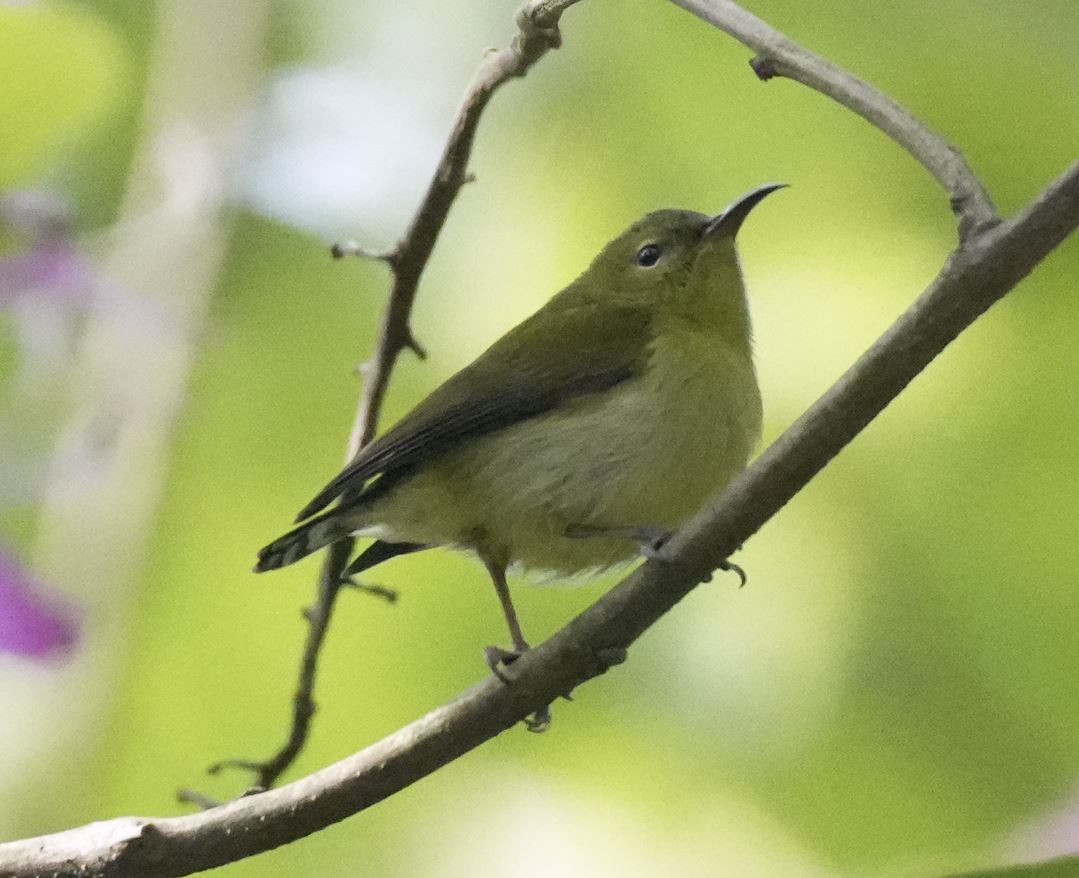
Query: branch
{"x": 537, "y": 23}
{"x": 973, "y": 279}
{"x": 778, "y": 55}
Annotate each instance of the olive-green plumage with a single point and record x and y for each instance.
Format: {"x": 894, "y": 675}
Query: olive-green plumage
{"x": 620, "y": 405}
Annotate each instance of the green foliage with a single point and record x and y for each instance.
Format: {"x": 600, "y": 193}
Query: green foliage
{"x": 894, "y": 691}
{"x": 63, "y": 73}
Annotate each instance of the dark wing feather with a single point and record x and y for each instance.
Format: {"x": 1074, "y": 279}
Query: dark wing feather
{"x": 569, "y": 348}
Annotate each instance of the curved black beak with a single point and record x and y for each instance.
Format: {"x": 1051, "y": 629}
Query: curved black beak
{"x": 730, "y": 221}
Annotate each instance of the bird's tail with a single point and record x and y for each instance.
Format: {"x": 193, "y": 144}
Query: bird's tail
{"x": 303, "y": 540}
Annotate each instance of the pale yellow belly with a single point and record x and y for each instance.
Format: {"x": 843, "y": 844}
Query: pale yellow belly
{"x": 648, "y": 452}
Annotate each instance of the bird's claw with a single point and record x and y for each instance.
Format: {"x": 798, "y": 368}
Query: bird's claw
{"x": 498, "y": 659}
{"x": 652, "y": 548}
{"x": 731, "y": 567}
{"x": 540, "y": 721}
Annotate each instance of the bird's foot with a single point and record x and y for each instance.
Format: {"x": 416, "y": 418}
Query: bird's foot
{"x": 540, "y": 721}
{"x": 653, "y": 542}
{"x": 651, "y": 539}
{"x": 498, "y": 660}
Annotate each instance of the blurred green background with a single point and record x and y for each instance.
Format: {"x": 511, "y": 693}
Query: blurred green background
{"x": 894, "y": 693}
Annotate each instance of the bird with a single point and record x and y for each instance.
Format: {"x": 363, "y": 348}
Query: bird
{"x": 583, "y": 437}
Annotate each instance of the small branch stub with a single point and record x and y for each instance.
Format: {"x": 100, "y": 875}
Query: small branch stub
{"x": 413, "y": 344}
{"x": 765, "y": 68}
{"x": 341, "y": 249}
{"x": 389, "y": 595}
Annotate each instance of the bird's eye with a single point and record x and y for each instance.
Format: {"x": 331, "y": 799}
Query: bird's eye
{"x": 648, "y": 255}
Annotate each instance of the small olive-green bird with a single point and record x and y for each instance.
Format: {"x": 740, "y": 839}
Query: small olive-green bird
{"x": 589, "y": 432}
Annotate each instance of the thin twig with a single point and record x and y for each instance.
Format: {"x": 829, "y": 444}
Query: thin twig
{"x": 781, "y": 56}
{"x": 972, "y": 280}
{"x": 537, "y": 24}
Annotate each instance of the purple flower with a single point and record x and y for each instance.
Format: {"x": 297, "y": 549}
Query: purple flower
{"x": 50, "y": 264}
{"x": 30, "y": 624}
{"x": 46, "y": 284}
{"x": 52, "y": 268}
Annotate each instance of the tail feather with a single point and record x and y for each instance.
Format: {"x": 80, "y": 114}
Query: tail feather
{"x": 302, "y": 541}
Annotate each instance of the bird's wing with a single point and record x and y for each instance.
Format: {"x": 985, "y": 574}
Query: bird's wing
{"x": 569, "y": 348}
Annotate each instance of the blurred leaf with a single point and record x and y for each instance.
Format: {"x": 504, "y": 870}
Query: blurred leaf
{"x": 893, "y": 693}
{"x": 63, "y": 73}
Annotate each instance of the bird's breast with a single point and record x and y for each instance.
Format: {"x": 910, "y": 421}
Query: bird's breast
{"x": 647, "y": 452}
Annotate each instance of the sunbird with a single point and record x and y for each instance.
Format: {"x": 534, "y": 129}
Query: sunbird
{"x": 584, "y": 436}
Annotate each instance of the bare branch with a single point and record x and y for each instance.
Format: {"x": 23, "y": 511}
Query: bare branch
{"x": 781, "y": 56}
{"x": 537, "y": 23}
{"x": 973, "y": 279}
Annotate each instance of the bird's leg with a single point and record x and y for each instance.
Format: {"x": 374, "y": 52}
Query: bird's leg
{"x": 650, "y": 538}
{"x": 495, "y": 655}
{"x": 498, "y": 658}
